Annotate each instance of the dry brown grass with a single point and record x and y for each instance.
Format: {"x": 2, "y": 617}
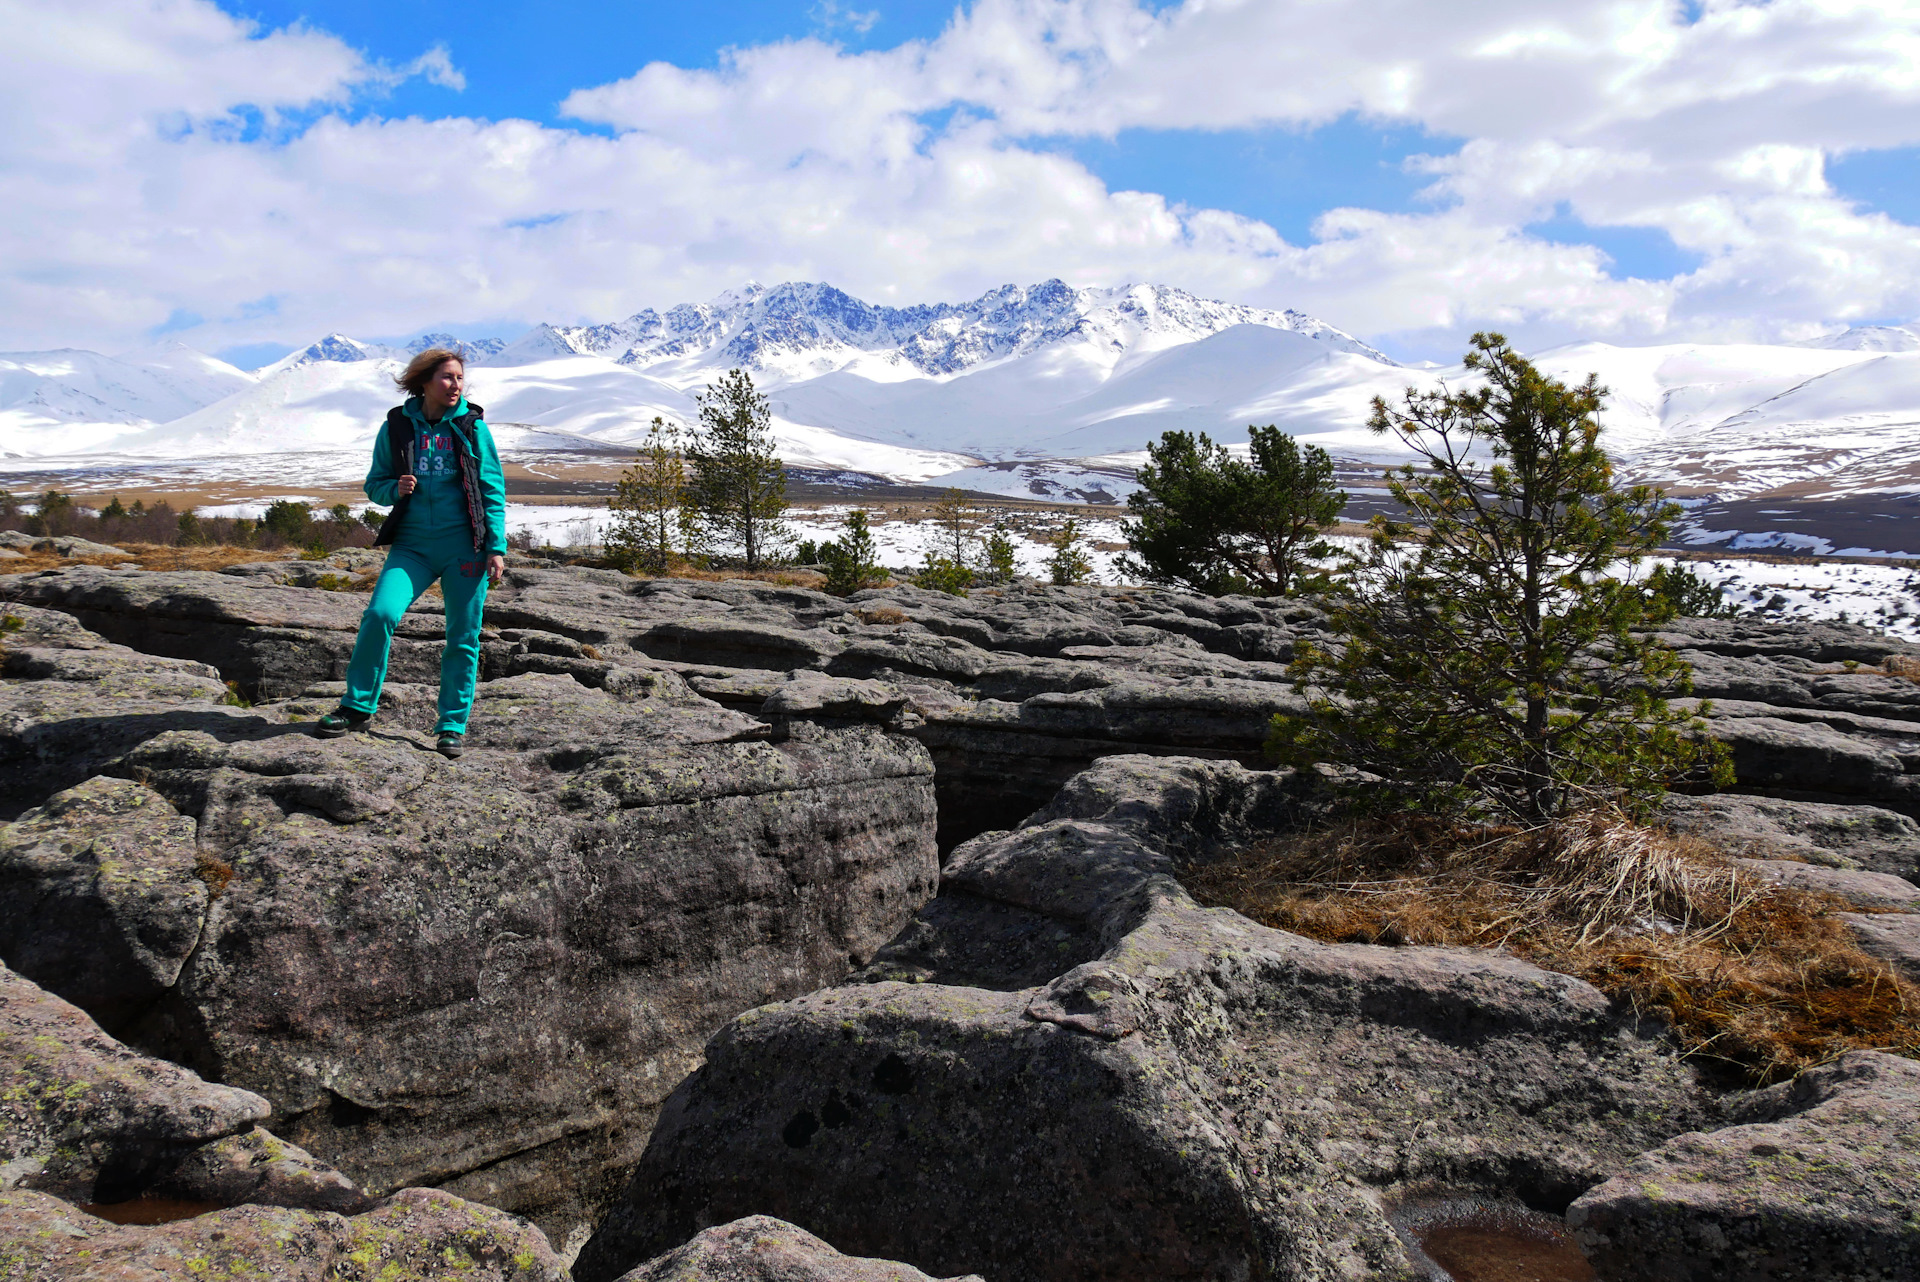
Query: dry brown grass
{"x": 1901, "y": 665}
{"x": 683, "y": 570}
{"x": 150, "y": 556}
{"x": 884, "y": 616}
{"x": 1757, "y": 981}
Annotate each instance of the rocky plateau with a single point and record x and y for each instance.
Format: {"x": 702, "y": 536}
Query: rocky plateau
{"x": 866, "y": 914}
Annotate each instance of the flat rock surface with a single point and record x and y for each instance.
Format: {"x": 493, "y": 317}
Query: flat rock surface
{"x": 417, "y": 1234}
{"x": 1892, "y": 937}
{"x": 1014, "y": 689}
{"x": 1859, "y": 889}
{"x": 1831, "y": 836}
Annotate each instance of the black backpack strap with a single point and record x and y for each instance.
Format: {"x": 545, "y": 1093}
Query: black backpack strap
{"x": 400, "y": 440}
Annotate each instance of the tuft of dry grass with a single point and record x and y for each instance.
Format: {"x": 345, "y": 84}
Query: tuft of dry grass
{"x": 216, "y": 873}
{"x": 148, "y": 556}
{"x": 1901, "y": 665}
{"x": 1758, "y": 981}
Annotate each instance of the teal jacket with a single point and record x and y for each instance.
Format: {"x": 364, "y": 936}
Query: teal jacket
{"x": 478, "y": 492}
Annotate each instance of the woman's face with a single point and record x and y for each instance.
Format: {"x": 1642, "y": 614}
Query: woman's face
{"x": 446, "y": 387}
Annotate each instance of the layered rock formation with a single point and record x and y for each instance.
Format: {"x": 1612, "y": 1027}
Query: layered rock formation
{"x": 685, "y": 799}
{"x": 1012, "y": 692}
{"x": 1070, "y": 1070}
{"x": 96, "y": 1140}
{"x": 482, "y": 975}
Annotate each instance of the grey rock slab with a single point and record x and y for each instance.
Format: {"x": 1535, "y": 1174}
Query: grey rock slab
{"x": 738, "y": 644}
{"x": 74, "y": 545}
{"x": 101, "y": 895}
{"x": 259, "y": 1168}
{"x": 1794, "y": 756}
{"x": 1892, "y": 937}
{"x": 271, "y": 640}
{"x": 811, "y": 697}
{"x": 760, "y": 1248}
{"x": 414, "y": 1236}
{"x": 77, "y": 1103}
{"x": 484, "y": 974}
{"x": 1832, "y": 836}
{"x": 1206, "y": 1097}
{"x": 1825, "y": 1188}
{"x": 1822, "y": 643}
{"x": 70, "y": 701}
{"x": 1860, "y": 889}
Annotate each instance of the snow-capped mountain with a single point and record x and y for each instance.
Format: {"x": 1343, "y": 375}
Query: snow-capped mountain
{"x": 1016, "y": 386}
{"x": 339, "y": 349}
{"x": 1872, "y": 338}
{"x": 70, "y": 400}
{"x": 798, "y": 331}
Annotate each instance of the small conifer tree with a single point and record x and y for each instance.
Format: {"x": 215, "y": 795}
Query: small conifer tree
{"x": 647, "y": 502}
{"x": 738, "y": 491}
{"x": 1069, "y": 563}
{"x": 1001, "y": 566}
{"x": 851, "y": 558}
{"x": 954, "y": 515}
{"x": 1489, "y": 649}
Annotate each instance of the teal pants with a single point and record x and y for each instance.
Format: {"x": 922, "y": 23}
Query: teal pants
{"x": 411, "y": 570}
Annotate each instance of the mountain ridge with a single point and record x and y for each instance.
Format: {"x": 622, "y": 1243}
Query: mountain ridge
{"x": 1044, "y": 376}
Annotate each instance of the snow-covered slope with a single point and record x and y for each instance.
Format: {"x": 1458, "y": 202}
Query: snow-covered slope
{"x": 69, "y": 401}
{"x": 1020, "y": 380}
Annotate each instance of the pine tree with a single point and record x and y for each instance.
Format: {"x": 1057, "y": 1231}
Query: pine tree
{"x": 738, "y": 490}
{"x": 954, "y": 515}
{"x": 1489, "y": 651}
{"x": 1208, "y": 521}
{"x": 1069, "y": 563}
{"x": 647, "y": 502}
{"x": 1000, "y": 554}
{"x": 851, "y": 559}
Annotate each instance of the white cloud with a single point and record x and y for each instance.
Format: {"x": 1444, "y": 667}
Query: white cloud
{"x": 168, "y": 156}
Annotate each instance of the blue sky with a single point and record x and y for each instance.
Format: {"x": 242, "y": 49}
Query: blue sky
{"x": 522, "y": 59}
{"x": 245, "y": 176}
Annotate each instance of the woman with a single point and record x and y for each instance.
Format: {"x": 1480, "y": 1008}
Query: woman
{"x": 434, "y": 465}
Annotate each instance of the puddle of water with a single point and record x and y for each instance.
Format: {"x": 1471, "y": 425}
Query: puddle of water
{"x": 1474, "y": 1240}
{"x": 150, "y": 1210}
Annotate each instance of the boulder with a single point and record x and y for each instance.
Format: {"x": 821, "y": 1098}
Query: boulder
{"x": 1155, "y": 1089}
{"x": 415, "y": 1235}
{"x": 84, "y": 1116}
{"x": 74, "y": 545}
{"x": 760, "y": 1248}
{"x": 1820, "y": 1183}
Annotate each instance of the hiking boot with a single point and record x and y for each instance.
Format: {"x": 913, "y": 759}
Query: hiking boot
{"x": 451, "y": 743}
{"x": 339, "y": 721}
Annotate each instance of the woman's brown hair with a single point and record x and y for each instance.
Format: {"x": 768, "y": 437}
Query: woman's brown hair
{"x": 413, "y": 379}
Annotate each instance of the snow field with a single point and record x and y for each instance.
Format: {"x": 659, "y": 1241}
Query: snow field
{"x": 1882, "y": 597}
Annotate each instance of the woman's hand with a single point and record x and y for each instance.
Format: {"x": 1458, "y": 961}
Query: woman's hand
{"x": 496, "y": 570}
{"x": 407, "y": 483}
